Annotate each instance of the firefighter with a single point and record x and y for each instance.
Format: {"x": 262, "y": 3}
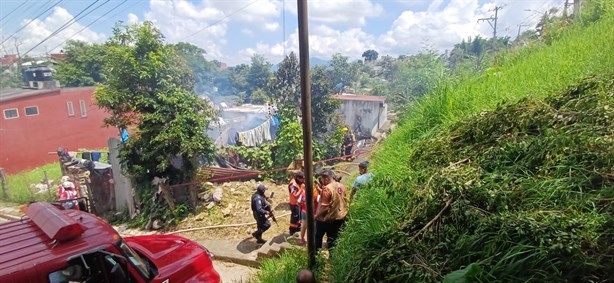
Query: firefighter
{"x": 260, "y": 209}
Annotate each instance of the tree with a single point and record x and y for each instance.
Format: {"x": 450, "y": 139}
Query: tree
{"x": 203, "y": 71}
{"x": 149, "y": 89}
{"x": 342, "y": 72}
{"x": 285, "y": 87}
{"x": 323, "y": 106}
{"x": 83, "y": 64}
{"x": 258, "y": 76}
{"x": 370, "y": 55}
{"x": 415, "y": 76}
{"x": 10, "y": 80}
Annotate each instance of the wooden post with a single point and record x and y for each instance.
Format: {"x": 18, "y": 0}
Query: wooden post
{"x": 307, "y": 127}
{"x": 48, "y": 185}
{"x": 3, "y": 183}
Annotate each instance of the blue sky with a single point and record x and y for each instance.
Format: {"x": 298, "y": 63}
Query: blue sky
{"x": 232, "y": 31}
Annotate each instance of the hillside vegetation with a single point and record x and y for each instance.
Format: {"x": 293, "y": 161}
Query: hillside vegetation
{"x": 507, "y": 177}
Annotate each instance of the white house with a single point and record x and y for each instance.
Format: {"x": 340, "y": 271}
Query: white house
{"x": 363, "y": 113}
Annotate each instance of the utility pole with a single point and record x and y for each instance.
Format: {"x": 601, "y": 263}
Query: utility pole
{"x": 492, "y": 21}
{"x": 577, "y": 7}
{"x": 567, "y": 4}
{"x": 519, "y": 26}
{"x": 303, "y": 44}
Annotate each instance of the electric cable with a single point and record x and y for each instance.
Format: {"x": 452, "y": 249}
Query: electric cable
{"x": 32, "y": 20}
{"x": 90, "y": 24}
{"x": 220, "y": 20}
{"x": 7, "y": 15}
{"x": 67, "y": 24}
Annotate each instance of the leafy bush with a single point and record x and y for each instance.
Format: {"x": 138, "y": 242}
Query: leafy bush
{"x": 524, "y": 192}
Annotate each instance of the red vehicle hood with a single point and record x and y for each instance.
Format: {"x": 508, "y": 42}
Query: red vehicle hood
{"x": 176, "y": 258}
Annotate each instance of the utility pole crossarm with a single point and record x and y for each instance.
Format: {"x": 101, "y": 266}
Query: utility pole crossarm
{"x": 492, "y": 21}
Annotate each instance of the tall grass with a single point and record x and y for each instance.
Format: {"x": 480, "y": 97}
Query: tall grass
{"x": 545, "y": 69}
{"x": 405, "y": 194}
{"x": 18, "y": 185}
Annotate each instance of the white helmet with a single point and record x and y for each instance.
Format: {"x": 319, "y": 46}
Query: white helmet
{"x": 67, "y": 185}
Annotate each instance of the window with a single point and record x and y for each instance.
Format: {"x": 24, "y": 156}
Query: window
{"x": 82, "y": 108}
{"x": 11, "y": 113}
{"x": 31, "y": 111}
{"x": 71, "y": 110}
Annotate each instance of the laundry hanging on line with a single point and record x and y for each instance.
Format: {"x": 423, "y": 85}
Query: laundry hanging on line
{"x": 256, "y": 136}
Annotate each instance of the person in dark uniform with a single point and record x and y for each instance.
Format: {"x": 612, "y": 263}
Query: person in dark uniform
{"x": 260, "y": 209}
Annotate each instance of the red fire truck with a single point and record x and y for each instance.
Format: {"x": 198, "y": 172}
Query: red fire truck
{"x": 56, "y": 245}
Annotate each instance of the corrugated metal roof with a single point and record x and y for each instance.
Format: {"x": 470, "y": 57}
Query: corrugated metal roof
{"x": 354, "y": 97}
{"x": 25, "y": 245}
{"x": 12, "y": 93}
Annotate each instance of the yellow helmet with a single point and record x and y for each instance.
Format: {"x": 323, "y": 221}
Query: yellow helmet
{"x": 344, "y": 129}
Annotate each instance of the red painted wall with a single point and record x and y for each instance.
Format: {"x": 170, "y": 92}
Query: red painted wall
{"x": 25, "y": 142}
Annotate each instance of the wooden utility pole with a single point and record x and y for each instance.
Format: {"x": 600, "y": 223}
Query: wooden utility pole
{"x": 492, "y": 21}
{"x": 303, "y": 43}
{"x": 519, "y": 26}
{"x": 577, "y": 8}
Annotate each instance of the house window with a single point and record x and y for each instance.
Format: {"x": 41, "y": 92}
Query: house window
{"x": 11, "y": 113}
{"x": 82, "y": 108}
{"x": 71, "y": 110}
{"x": 31, "y": 110}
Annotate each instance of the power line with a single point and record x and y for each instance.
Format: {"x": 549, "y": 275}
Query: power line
{"x": 493, "y": 20}
{"x": 225, "y": 17}
{"x": 90, "y": 24}
{"x": 32, "y": 20}
{"x": 22, "y": 3}
{"x": 69, "y": 23}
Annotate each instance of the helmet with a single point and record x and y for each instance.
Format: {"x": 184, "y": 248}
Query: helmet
{"x": 261, "y": 188}
{"x": 67, "y": 185}
{"x": 345, "y": 129}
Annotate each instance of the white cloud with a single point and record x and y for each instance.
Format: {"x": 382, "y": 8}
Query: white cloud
{"x": 132, "y": 18}
{"x": 349, "y": 13}
{"x": 38, "y": 30}
{"x": 324, "y": 41}
{"x": 248, "y": 10}
{"x": 439, "y": 27}
{"x": 272, "y": 26}
{"x": 181, "y": 20}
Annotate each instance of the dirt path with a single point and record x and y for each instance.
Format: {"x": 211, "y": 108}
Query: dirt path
{"x": 231, "y": 272}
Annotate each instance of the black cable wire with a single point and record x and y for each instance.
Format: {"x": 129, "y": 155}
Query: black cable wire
{"x": 67, "y": 24}
{"x": 32, "y": 20}
{"x": 90, "y": 24}
{"x": 220, "y": 20}
{"x": 7, "y": 15}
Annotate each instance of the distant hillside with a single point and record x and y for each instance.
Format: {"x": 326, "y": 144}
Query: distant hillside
{"x": 313, "y": 61}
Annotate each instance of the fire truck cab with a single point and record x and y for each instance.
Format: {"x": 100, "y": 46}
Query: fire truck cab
{"x": 57, "y": 245}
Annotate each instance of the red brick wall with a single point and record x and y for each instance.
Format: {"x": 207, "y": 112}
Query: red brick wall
{"x": 26, "y": 141}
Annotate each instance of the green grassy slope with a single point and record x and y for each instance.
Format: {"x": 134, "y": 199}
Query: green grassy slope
{"x": 523, "y": 192}
{"x": 538, "y": 72}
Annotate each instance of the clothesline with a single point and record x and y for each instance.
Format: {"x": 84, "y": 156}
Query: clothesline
{"x": 259, "y": 135}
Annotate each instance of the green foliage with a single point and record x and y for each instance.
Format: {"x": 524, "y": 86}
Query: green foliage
{"x": 370, "y": 55}
{"x": 323, "y": 106}
{"x": 10, "y": 80}
{"x": 149, "y": 89}
{"x": 83, "y": 64}
{"x": 342, "y": 73}
{"x": 522, "y": 191}
{"x": 203, "y": 71}
{"x": 258, "y": 77}
{"x": 259, "y": 157}
{"x": 289, "y": 142}
{"x": 285, "y": 268}
{"x": 18, "y": 185}
{"x": 415, "y": 76}
{"x": 286, "y": 88}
